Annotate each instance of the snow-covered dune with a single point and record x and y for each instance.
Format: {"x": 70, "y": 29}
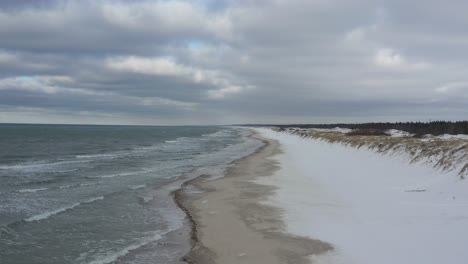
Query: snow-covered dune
{"x": 445, "y": 153}
{"x": 372, "y": 208}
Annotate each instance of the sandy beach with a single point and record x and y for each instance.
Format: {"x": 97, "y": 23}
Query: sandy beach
{"x": 231, "y": 224}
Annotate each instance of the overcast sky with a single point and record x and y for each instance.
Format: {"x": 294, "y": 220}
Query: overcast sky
{"x": 222, "y": 62}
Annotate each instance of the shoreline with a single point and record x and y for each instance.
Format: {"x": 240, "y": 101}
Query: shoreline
{"x": 231, "y": 224}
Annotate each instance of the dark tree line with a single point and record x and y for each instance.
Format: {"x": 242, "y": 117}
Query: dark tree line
{"x": 417, "y": 128}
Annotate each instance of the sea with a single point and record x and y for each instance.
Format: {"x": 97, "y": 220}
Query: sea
{"x": 103, "y": 194}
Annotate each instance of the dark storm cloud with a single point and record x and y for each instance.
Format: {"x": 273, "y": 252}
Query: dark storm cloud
{"x": 232, "y": 61}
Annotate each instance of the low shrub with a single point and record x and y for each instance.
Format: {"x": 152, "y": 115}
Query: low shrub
{"x": 367, "y": 132}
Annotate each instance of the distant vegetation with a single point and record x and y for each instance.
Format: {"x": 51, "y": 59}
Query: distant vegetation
{"x": 419, "y": 129}
{"x": 367, "y": 132}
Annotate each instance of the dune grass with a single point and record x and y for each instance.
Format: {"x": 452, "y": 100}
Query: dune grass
{"x": 445, "y": 155}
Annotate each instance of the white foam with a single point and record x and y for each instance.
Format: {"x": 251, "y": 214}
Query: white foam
{"x": 23, "y": 166}
{"x": 148, "y": 198}
{"x": 50, "y": 213}
{"x": 111, "y": 257}
{"x": 86, "y": 184}
{"x": 32, "y": 190}
{"x": 123, "y": 174}
{"x": 46, "y": 215}
{"x": 92, "y": 156}
{"x": 67, "y": 186}
{"x": 94, "y": 199}
{"x": 136, "y": 187}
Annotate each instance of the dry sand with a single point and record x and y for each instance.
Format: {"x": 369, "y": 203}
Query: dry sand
{"x": 231, "y": 226}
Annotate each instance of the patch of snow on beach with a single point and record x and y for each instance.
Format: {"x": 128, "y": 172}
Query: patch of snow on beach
{"x": 448, "y": 137}
{"x": 372, "y": 208}
{"x": 398, "y": 133}
{"x": 336, "y": 129}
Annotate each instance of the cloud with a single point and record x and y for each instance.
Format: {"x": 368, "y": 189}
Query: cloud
{"x": 29, "y": 85}
{"x": 388, "y": 57}
{"x": 45, "y": 85}
{"x": 156, "y": 66}
{"x": 109, "y": 26}
{"x": 452, "y": 87}
{"x": 7, "y": 57}
{"x": 223, "y": 92}
{"x": 168, "y": 67}
{"x": 177, "y": 61}
{"x": 360, "y": 34}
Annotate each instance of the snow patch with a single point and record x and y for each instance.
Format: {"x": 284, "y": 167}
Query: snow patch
{"x": 398, "y": 133}
{"x": 336, "y": 130}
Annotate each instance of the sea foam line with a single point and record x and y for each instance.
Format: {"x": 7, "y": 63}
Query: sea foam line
{"x": 32, "y": 190}
{"x": 46, "y": 215}
{"x": 116, "y": 255}
{"x": 136, "y": 187}
{"x": 23, "y": 166}
{"x": 123, "y": 174}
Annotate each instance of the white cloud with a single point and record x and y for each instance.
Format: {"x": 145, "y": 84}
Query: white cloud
{"x": 173, "y": 16}
{"x": 451, "y": 87}
{"x": 168, "y": 67}
{"x": 150, "y": 66}
{"x": 223, "y": 92}
{"x": 388, "y": 57}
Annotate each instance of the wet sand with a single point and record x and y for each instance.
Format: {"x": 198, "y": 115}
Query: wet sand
{"x": 230, "y": 224}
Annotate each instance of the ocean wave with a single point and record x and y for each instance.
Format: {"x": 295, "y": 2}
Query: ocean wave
{"x": 221, "y": 133}
{"x": 77, "y": 185}
{"x": 32, "y": 190}
{"x": 119, "y": 154}
{"x": 116, "y": 175}
{"x": 85, "y": 158}
{"x": 146, "y": 199}
{"x": 123, "y": 174}
{"x": 94, "y": 199}
{"x": 68, "y": 186}
{"x": 94, "y": 156}
{"x": 136, "y": 187}
{"x": 43, "y": 164}
{"x": 112, "y": 257}
{"x": 48, "y": 214}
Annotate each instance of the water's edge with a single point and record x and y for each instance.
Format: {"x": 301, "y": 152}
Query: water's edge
{"x": 198, "y": 251}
